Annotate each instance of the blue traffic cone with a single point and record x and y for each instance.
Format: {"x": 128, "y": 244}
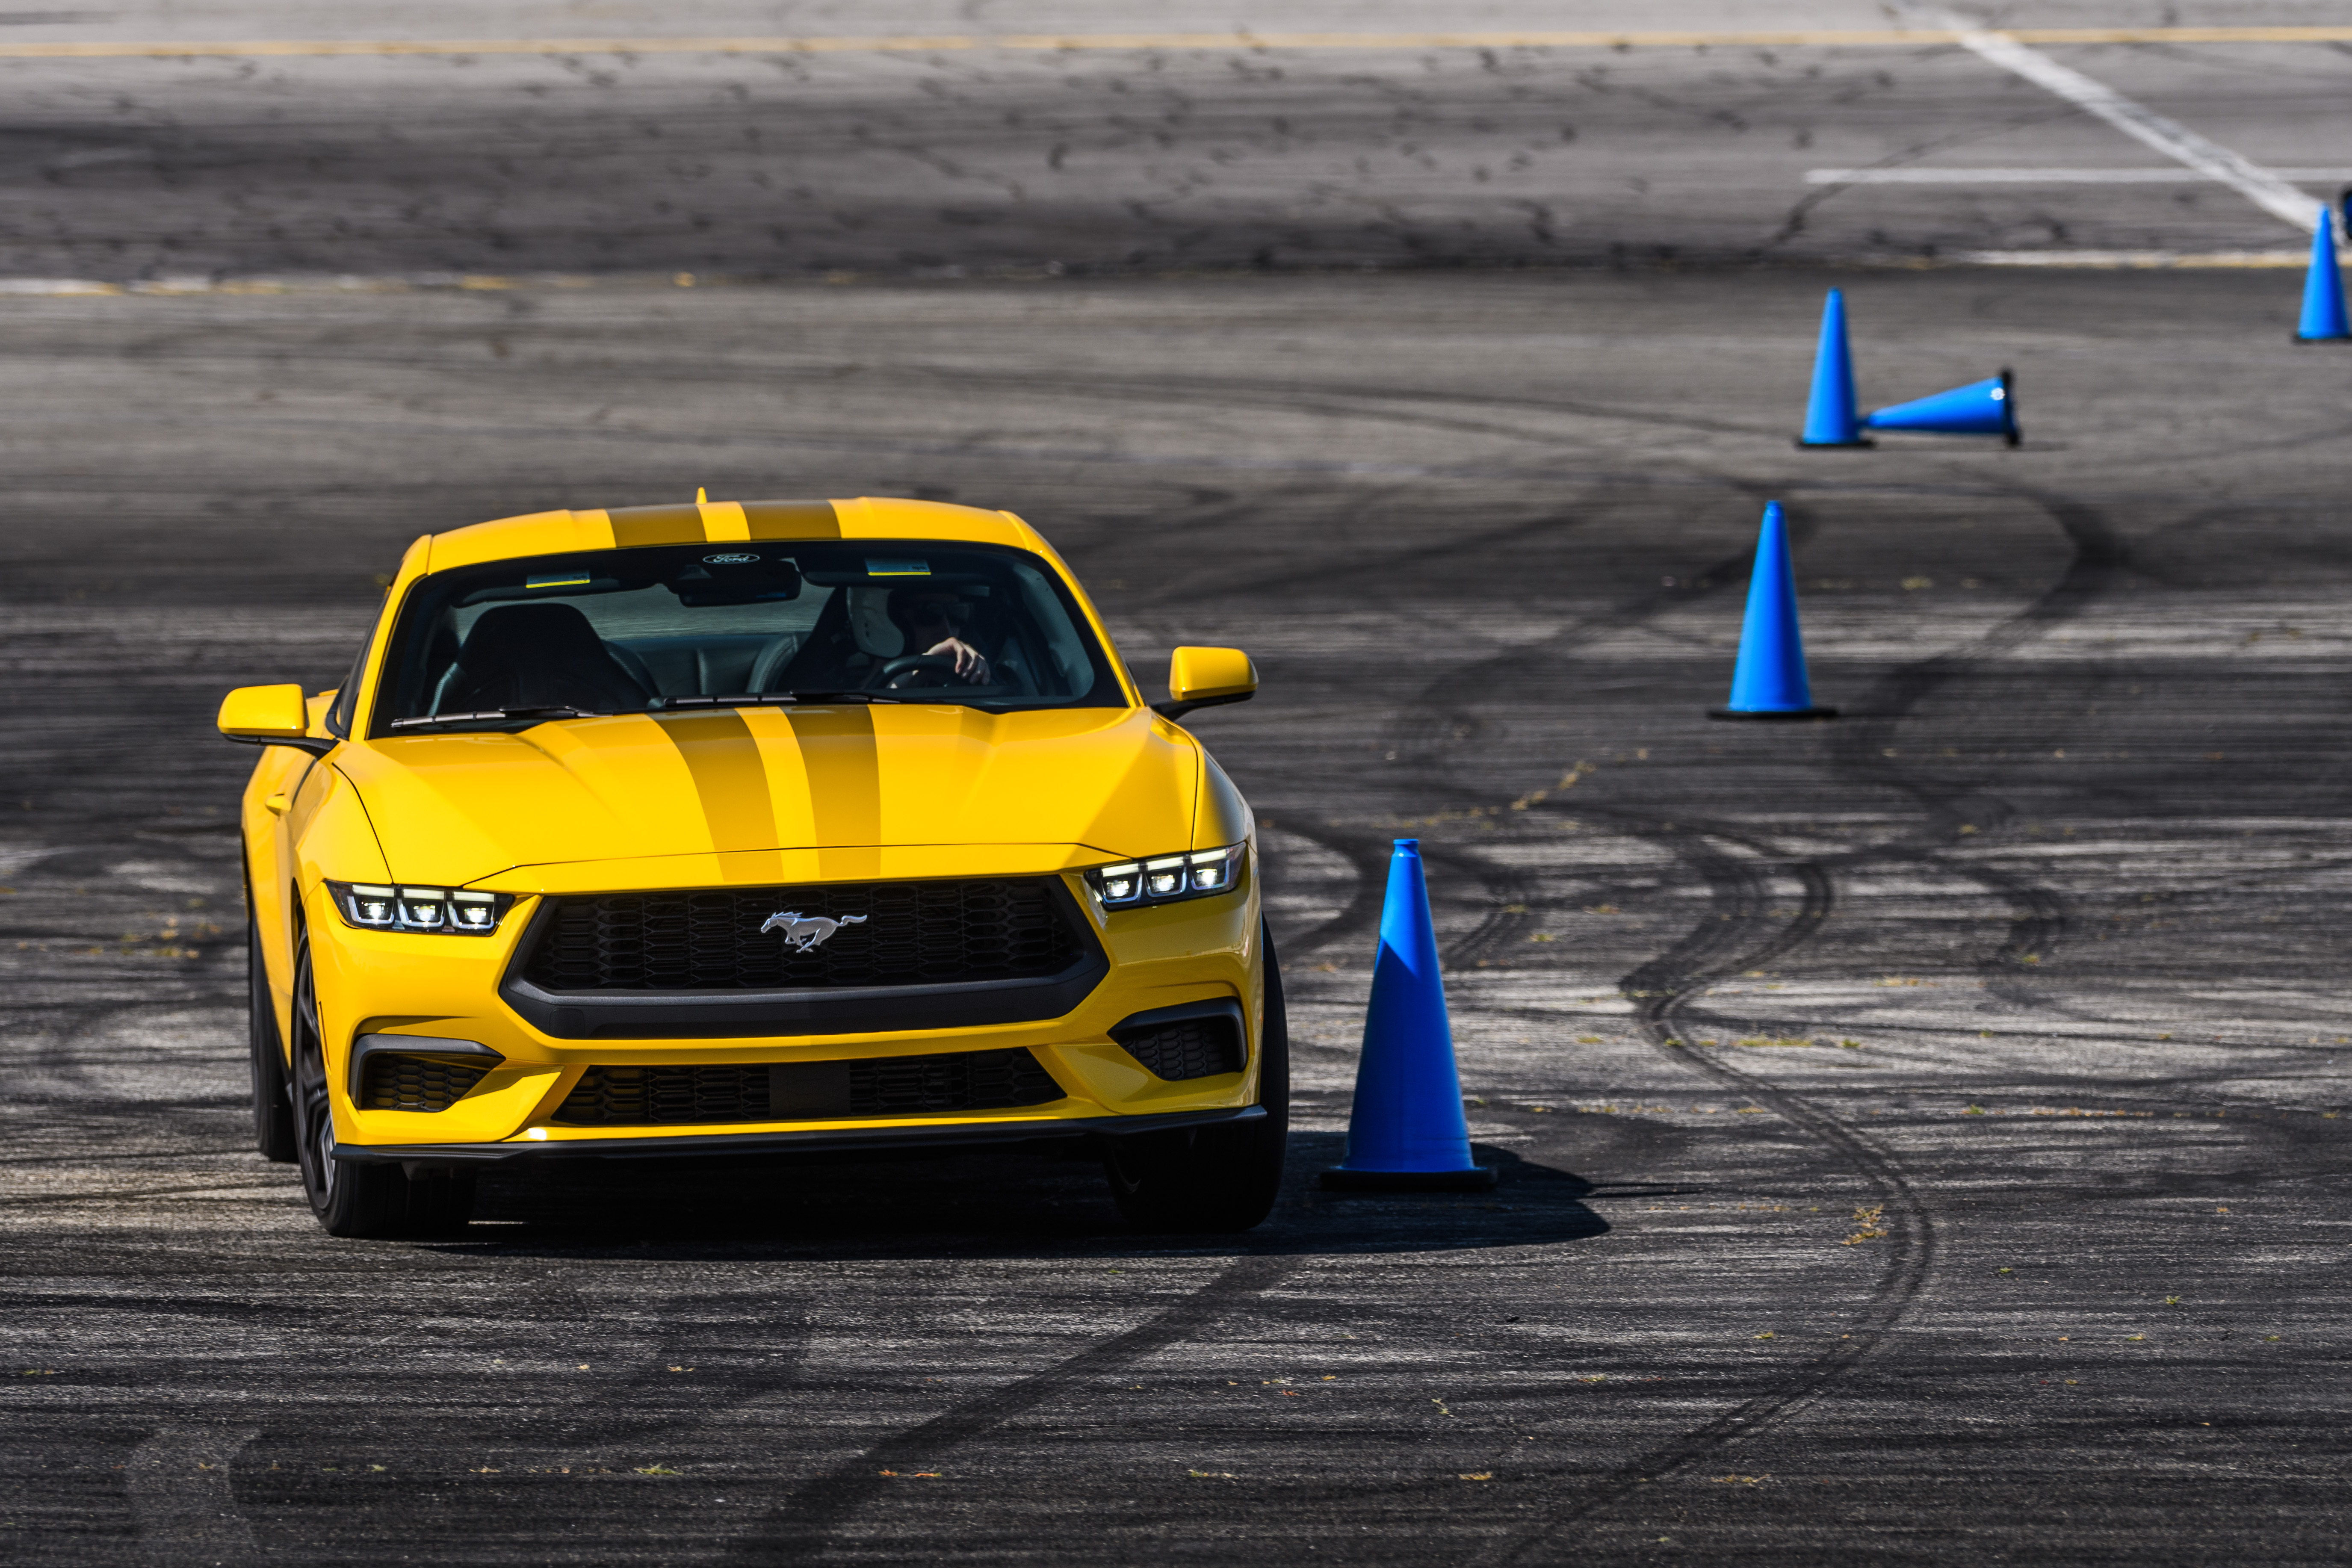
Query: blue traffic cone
{"x": 1987, "y": 408}
{"x": 1407, "y": 1131}
{"x": 2323, "y": 289}
{"x": 1770, "y": 681}
{"x": 1829, "y": 413}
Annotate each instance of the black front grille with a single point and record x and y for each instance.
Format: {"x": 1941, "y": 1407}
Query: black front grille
{"x": 1195, "y": 1048}
{"x": 809, "y": 1092}
{"x": 392, "y": 1082}
{"x": 887, "y": 933}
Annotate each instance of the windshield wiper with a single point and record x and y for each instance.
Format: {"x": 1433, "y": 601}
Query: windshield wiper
{"x": 765, "y": 699}
{"x": 844, "y": 696}
{"x": 490, "y": 714}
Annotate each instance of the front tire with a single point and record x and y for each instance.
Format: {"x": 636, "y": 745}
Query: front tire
{"x": 273, "y": 1101}
{"x": 357, "y": 1200}
{"x": 1214, "y": 1180}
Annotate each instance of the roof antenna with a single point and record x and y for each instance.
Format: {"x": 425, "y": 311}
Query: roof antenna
{"x": 701, "y": 496}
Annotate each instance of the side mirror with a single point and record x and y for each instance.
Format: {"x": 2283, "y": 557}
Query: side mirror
{"x": 1206, "y": 678}
{"x": 270, "y": 716}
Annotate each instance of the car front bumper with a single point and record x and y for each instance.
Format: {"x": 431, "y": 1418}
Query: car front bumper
{"x": 797, "y": 1140}
{"x": 386, "y": 984}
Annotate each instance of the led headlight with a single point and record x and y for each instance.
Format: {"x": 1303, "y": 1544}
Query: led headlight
{"x": 1164, "y": 879}
{"x": 458, "y": 910}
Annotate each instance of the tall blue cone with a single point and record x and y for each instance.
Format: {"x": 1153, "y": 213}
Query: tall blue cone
{"x": 1987, "y": 408}
{"x": 1407, "y": 1132}
{"x": 1770, "y": 681}
{"x": 1830, "y": 411}
{"x": 2323, "y": 289}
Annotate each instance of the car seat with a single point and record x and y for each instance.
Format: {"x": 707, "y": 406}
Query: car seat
{"x": 853, "y": 635}
{"x": 539, "y": 656}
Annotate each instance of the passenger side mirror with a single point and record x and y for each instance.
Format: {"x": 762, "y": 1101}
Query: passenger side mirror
{"x": 270, "y": 716}
{"x": 1206, "y": 678}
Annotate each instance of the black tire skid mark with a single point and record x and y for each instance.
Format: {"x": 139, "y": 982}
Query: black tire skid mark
{"x": 1426, "y": 724}
{"x": 1737, "y": 933}
{"x": 1353, "y": 399}
{"x": 1278, "y": 585}
{"x": 1368, "y": 853}
{"x": 1505, "y": 886}
{"x": 68, "y": 1025}
{"x": 800, "y": 1529}
{"x": 2040, "y": 915}
{"x": 1368, "y": 850}
{"x": 1282, "y": 400}
{"x": 128, "y": 1194}
{"x": 1718, "y": 946}
{"x": 1725, "y": 942}
{"x": 229, "y": 1151}
{"x": 558, "y": 1294}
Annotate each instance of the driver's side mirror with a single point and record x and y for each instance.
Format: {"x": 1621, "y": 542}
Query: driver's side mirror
{"x": 1206, "y": 678}
{"x": 270, "y": 716}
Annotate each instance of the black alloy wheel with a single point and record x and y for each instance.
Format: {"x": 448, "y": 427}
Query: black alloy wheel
{"x": 273, "y": 1101}
{"x": 353, "y": 1199}
{"x": 1214, "y": 1180}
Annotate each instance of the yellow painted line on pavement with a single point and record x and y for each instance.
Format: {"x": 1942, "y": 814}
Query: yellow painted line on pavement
{"x": 2135, "y": 261}
{"x": 95, "y": 49}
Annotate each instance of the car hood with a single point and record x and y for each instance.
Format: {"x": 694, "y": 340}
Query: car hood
{"x": 452, "y": 810}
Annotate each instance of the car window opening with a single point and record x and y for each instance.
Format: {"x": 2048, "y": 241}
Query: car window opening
{"x": 512, "y": 642}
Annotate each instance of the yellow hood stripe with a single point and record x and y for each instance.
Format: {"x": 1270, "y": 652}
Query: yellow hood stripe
{"x": 845, "y": 774}
{"x": 843, "y": 781}
{"x": 792, "y": 520}
{"x": 730, "y": 781}
{"x": 637, "y": 525}
{"x": 724, "y": 522}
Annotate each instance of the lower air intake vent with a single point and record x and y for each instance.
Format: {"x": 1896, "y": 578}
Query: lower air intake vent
{"x": 391, "y": 1082}
{"x": 809, "y": 1092}
{"x": 1177, "y": 1042}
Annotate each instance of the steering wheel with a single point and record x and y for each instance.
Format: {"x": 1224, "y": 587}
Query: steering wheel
{"x": 908, "y": 664}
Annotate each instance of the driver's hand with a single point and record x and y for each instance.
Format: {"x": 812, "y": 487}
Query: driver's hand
{"x": 970, "y": 666}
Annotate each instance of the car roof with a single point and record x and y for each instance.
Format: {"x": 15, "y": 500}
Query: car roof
{"x": 724, "y": 522}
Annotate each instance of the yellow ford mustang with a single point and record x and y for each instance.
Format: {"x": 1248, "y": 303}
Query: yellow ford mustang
{"x": 744, "y": 827}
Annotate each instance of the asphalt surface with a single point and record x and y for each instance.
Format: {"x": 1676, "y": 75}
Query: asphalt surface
{"x": 1920, "y": 1134}
{"x": 1185, "y": 151}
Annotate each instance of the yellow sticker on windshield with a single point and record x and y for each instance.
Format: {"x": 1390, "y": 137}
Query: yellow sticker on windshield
{"x": 897, "y": 568}
{"x": 560, "y": 580}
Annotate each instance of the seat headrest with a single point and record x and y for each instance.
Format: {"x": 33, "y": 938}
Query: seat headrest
{"x": 557, "y": 629}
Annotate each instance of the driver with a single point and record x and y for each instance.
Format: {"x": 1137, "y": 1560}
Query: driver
{"x": 934, "y": 620}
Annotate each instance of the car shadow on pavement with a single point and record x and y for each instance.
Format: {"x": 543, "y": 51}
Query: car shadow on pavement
{"x": 1039, "y": 1202}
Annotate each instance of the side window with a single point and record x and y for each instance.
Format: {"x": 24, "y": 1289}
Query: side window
{"x": 338, "y": 717}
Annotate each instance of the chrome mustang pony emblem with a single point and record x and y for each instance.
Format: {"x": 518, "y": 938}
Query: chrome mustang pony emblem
{"x": 803, "y": 932}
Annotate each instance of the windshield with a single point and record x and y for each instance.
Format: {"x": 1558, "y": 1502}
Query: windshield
{"x": 645, "y": 630}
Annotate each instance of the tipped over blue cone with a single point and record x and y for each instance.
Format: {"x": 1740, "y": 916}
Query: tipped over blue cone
{"x": 1987, "y": 408}
{"x": 1407, "y": 1132}
{"x": 2323, "y": 289}
{"x": 1768, "y": 682}
{"x": 1830, "y": 416}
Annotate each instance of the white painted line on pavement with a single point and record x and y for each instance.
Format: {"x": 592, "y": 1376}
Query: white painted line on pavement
{"x": 1902, "y": 175}
{"x": 2136, "y": 120}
